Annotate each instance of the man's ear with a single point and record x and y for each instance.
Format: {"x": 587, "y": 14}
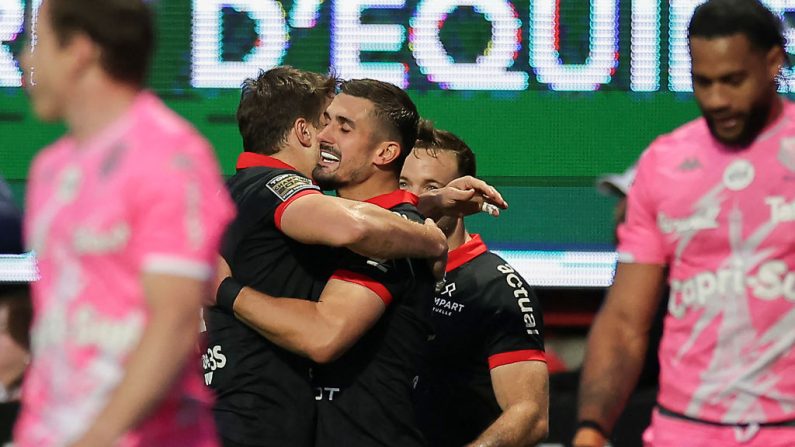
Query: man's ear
{"x": 83, "y": 52}
{"x": 302, "y": 132}
{"x": 386, "y": 153}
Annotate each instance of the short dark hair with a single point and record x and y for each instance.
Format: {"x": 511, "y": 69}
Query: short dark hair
{"x": 123, "y": 30}
{"x": 434, "y": 140}
{"x": 271, "y": 102}
{"x": 393, "y": 108}
{"x": 722, "y": 18}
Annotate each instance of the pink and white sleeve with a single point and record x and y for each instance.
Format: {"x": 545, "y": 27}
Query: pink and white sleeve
{"x": 182, "y": 209}
{"x": 639, "y": 237}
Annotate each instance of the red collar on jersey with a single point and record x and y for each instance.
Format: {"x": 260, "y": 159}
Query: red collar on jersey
{"x": 465, "y": 253}
{"x": 394, "y": 199}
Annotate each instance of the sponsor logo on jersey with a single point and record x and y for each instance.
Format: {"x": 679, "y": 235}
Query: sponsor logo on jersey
{"x": 288, "y": 185}
{"x": 786, "y": 153}
{"x": 773, "y": 280}
{"x": 780, "y": 210}
{"x": 326, "y": 393}
{"x": 522, "y": 296}
{"x": 689, "y": 164}
{"x": 380, "y": 264}
{"x": 738, "y": 175}
{"x": 446, "y": 307}
{"x": 212, "y": 360}
{"x": 449, "y": 288}
{"x": 703, "y": 219}
{"x": 86, "y": 327}
{"x": 90, "y": 241}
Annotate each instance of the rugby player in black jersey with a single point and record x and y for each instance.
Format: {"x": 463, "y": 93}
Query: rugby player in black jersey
{"x": 487, "y": 384}
{"x": 371, "y": 325}
{"x": 264, "y": 397}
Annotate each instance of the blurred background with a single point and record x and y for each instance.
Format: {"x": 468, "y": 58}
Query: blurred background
{"x": 550, "y": 94}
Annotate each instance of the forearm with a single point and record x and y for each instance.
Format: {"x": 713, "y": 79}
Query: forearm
{"x": 613, "y": 361}
{"x": 293, "y": 324}
{"x": 523, "y": 424}
{"x": 389, "y": 236}
{"x": 153, "y": 366}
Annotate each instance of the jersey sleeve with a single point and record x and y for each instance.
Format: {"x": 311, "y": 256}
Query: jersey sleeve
{"x": 515, "y": 329}
{"x": 384, "y": 277}
{"x": 387, "y": 278}
{"x": 639, "y": 237}
{"x": 287, "y": 188}
{"x": 181, "y": 209}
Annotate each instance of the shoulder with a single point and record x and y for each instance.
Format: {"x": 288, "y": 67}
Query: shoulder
{"x": 499, "y": 283}
{"x": 689, "y": 135}
{"x": 160, "y": 134}
{"x": 50, "y": 158}
{"x": 408, "y": 211}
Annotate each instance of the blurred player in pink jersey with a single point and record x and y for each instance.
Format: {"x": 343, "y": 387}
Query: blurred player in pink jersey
{"x": 715, "y": 202}
{"x": 125, "y": 214}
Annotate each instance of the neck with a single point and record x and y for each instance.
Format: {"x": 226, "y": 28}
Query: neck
{"x": 775, "y": 111}
{"x": 294, "y": 158}
{"x": 90, "y": 110}
{"x": 382, "y": 182}
{"x": 459, "y": 236}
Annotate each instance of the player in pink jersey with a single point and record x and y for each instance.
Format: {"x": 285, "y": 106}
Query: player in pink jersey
{"x": 125, "y": 214}
{"x": 714, "y": 202}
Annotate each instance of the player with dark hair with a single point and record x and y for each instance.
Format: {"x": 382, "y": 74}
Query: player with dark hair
{"x": 487, "y": 382}
{"x": 370, "y": 326}
{"x": 712, "y": 201}
{"x": 125, "y": 214}
{"x": 275, "y": 246}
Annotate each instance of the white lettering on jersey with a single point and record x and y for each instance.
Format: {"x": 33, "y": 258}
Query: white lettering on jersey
{"x": 704, "y": 219}
{"x": 85, "y": 327}
{"x": 326, "y": 391}
{"x": 773, "y": 280}
{"x": 522, "y": 297}
{"x": 446, "y": 307}
{"x": 212, "y": 360}
{"x": 89, "y": 241}
{"x": 780, "y": 210}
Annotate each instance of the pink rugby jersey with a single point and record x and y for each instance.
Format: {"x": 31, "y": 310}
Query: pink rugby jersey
{"x": 725, "y": 223}
{"x": 144, "y": 196}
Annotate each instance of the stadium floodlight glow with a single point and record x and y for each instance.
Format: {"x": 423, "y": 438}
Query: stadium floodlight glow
{"x": 602, "y": 59}
{"x": 490, "y": 71}
{"x": 304, "y": 13}
{"x": 781, "y": 7}
{"x": 679, "y": 64}
{"x": 349, "y": 37}
{"x": 645, "y": 66}
{"x": 208, "y": 69}
{"x": 12, "y": 19}
{"x": 538, "y": 268}
{"x": 18, "y": 268}
{"x": 563, "y": 268}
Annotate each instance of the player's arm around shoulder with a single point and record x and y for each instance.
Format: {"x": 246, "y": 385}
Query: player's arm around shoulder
{"x": 321, "y": 331}
{"x": 361, "y": 227}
